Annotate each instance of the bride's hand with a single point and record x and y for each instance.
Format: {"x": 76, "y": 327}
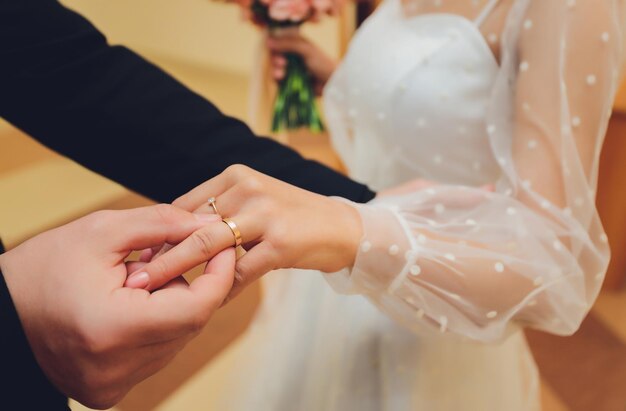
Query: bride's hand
{"x": 282, "y": 226}
{"x": 320, "y": 65}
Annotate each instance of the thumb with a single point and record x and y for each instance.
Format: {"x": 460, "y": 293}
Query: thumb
{"x": 173, "y": 312}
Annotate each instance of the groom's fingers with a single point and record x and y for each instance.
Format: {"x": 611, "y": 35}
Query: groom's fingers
{"x": 178, "y": 311}
{"x": 139, "y": 228}
{"x": 201, "y": 246}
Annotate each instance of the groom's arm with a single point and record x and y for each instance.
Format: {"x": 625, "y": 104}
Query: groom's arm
{"x": 119, "y": 115}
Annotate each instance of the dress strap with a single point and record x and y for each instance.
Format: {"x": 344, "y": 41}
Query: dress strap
{"x": 486, "y": 12}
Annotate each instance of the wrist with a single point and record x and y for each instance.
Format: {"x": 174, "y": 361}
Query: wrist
{"x": 351, "y": 233}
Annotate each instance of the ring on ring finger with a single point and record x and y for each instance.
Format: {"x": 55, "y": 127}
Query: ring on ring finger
{"x": 233, "y": 227}
{"x": 212, "y": 202}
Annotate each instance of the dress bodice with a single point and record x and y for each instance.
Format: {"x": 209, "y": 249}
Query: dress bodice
{"x": 409, "y": 100}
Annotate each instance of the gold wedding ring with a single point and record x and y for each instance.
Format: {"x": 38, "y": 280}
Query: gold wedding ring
{"x": 233, "y": 227}
{"x": 212, "y": 202}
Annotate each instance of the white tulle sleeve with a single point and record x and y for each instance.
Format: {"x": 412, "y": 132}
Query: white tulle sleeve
{"x": 532, "y": 253}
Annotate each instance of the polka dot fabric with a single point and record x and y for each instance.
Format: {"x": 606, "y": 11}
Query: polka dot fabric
{"x": 420, "y": 95}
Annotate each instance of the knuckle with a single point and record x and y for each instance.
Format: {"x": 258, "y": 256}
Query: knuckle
{"x": 237, "y": 170}
{"x": 197, "y": 322}
{"x": 179, "y": 202}
{"x": 243, "y": 272}
{"x": 203, "y": 242}
{"x": 252, "y": 184}
{"x": 165, "y": 212}
{"x": 95, "y": 347}
{"x": 94, "y": 341}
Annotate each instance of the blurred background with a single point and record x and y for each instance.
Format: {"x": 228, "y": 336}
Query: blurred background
{"x": 207, "y": 46}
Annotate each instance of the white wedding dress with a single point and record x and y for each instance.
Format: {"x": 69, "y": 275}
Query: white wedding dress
{"x": 431, "y": 315}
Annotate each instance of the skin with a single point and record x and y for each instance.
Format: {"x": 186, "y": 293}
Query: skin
{"x": 336, "y": 230}
{"x": 266, "y": 211}
{"x": 93, "y": 338}
{"x": 282, "y": 226}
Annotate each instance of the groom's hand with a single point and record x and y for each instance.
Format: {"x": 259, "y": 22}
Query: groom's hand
{"x": 92, "y": 337}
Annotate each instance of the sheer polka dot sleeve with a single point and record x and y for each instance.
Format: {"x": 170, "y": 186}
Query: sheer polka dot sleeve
{"x": 476, "y": 263}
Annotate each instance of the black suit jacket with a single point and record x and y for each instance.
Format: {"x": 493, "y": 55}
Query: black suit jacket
{"x": 117, "y": 114}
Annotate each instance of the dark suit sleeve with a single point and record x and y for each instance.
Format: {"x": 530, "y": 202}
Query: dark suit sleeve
{"x": 119, "y": 115}
{"x": 23, "y": 386}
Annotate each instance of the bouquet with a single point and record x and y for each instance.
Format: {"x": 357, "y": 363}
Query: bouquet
{"x": 294, "y": 106}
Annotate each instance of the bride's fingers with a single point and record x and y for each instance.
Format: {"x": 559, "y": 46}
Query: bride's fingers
{"x": 199, "y": 247}
{"x": 228, "y": 204}
{"x": 257, "y": 262}
{"x": 212, "y": 188}
{"x": 199, "y": 195}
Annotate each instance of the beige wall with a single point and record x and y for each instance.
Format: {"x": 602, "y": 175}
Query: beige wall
{"x": 202, "y": 32}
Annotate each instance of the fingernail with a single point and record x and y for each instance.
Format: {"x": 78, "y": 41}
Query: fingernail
{"x": 207, "y": 218}
{"x": 138, "y": 280}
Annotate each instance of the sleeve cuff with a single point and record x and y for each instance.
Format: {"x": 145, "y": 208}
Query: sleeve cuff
{"x": 381, "y": 257}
